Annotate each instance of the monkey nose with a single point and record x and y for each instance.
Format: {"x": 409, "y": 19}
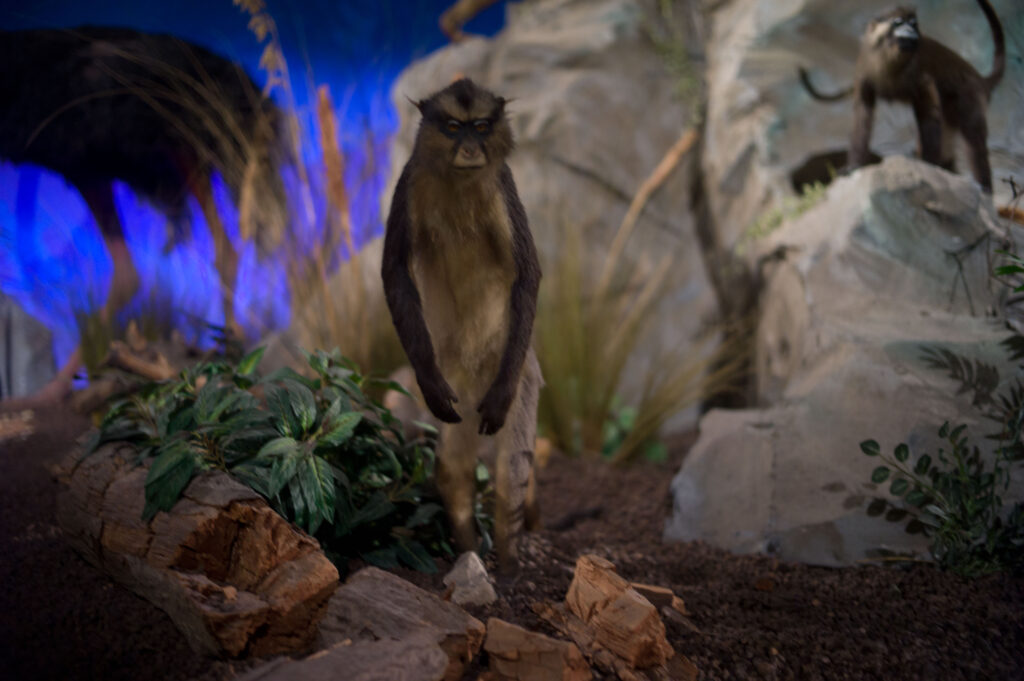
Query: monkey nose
{"x": 469, "y": 156}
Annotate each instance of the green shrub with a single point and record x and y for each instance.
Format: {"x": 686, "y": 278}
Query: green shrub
{"x": 956, "y": 500}
{"x": 321, "y": 451}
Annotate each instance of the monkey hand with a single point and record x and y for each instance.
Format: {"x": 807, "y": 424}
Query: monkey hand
{"x": 494, "y": 408}
{"x": 440, "y": 397}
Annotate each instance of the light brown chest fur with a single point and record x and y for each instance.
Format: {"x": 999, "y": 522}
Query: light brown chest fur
{"x": 463, "y": 269}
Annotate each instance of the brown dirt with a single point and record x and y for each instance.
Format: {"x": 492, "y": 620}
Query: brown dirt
{"x": 751, "y": 617}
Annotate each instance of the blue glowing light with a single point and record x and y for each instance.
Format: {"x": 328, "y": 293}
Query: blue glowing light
{"x": 53, "y": 260}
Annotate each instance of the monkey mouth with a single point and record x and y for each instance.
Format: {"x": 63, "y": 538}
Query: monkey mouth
{"x": 472, "y": 163}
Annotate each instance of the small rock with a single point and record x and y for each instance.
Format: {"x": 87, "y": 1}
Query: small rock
{"x": 469, "y": 582}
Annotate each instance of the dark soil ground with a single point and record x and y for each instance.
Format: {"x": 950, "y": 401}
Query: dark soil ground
{"x": 751, "y": 617}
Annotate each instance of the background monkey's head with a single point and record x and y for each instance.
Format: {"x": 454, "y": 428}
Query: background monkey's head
{"x": 894, "y": 33}
{"x": 464, "y": 131}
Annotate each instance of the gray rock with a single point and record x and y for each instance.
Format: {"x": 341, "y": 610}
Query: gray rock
{"x": 26, "y": 351}
{"x": 866, "y": 282}
{"x": 469, "y": 581}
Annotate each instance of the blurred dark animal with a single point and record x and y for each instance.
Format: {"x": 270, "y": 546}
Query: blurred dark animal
{"x": 947, "y": 94}
{"x": 100, "y": 104}
{"x": 458, "y": 236}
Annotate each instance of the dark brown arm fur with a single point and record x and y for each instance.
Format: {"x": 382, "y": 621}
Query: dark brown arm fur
{"x": 407, "y": 309}
{"x": 523, "y": 308}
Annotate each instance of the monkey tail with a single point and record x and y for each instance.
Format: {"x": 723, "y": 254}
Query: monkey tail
{"x": 805, "y": 78}
{"x": 999, "y": 57}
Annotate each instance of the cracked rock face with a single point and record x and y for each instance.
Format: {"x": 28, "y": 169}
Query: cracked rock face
{"x": 866, "y": 283}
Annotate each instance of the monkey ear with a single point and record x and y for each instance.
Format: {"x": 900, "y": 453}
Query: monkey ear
{"x": 419, "y": 105}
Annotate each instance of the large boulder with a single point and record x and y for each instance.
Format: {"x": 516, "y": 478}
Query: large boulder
{"x": 896, "y": 259}
{"x": 766, "y": 135}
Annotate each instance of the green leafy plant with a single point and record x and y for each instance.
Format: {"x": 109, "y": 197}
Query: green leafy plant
{"x": 320, "y": 450}
{"x": 956, "y": 500}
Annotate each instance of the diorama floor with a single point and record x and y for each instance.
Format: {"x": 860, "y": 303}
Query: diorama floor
{"x": 751, "y": 617}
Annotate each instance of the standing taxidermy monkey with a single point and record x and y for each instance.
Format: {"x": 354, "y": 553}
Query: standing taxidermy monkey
{"x": 461, "y": 277}
{"x": 947, "y": 94}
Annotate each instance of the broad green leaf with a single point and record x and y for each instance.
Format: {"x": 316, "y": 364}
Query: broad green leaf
{"x": 248, "y": 363}
{"x": 168, "y": 476}
{"x": 880, "y": 475}
{"x": 384, "y": 558}
{"x": 902, "y": 452}
{"x": 298, "y": 499}
{"x": 390, "y": 385}
{"x": 318, "y": 488}
{"x": 916, "y": 498}
{"x": 921, "y": 467}
{"x": 956, "y": 431}
{"x": 415, "y": 556}
{"x": 282, "y": 471}
{"x": 899, "y": 487}
{"x": 340, "y": 429}
{"x": 423, "y": 514}
{"x": 870, "y": 447}
{"x": 303, "y": 403}
{"x": 280, "y": 406}
{"x": 944, "y": 430}
{"x": 278, "y": 446}
{"x": 378, "y": 506}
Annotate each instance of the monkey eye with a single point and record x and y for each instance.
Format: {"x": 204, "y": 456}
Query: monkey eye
{"x": 482, "y": 126}
{"x": 453, "y": 125}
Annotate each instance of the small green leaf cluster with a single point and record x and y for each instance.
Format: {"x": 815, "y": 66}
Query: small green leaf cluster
{"x": 956, "y": 500}
{"x": 321, "y": 451}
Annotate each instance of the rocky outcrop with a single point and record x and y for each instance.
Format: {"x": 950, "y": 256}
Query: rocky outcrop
{"x": 895, "y": 259}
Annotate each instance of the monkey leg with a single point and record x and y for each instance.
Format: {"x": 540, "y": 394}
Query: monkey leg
{"x": 928, "y": 113}
{"x": 863, "y": 121}
{"x": 456, "y": 479}
{"x": 975, "y": 132}
{"x": 514, "y": 481}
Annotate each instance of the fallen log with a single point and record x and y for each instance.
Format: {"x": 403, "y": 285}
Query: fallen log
{"x": 234, "y": 576}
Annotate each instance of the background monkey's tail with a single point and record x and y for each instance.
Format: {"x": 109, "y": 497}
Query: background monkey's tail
{"x": 805, "y": 78}
{"x": 999, "y": 57}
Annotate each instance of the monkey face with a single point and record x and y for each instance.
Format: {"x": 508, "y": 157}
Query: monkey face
{"x": 464, "y": 129}
{"x": 895, "y": 31}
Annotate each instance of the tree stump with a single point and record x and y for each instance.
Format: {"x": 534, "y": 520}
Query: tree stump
{"x": 234, "y": 576}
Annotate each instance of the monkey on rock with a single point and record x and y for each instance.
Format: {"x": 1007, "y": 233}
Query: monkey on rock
{"x": 461, "y": 277}
{"x": 948, "y": 96}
